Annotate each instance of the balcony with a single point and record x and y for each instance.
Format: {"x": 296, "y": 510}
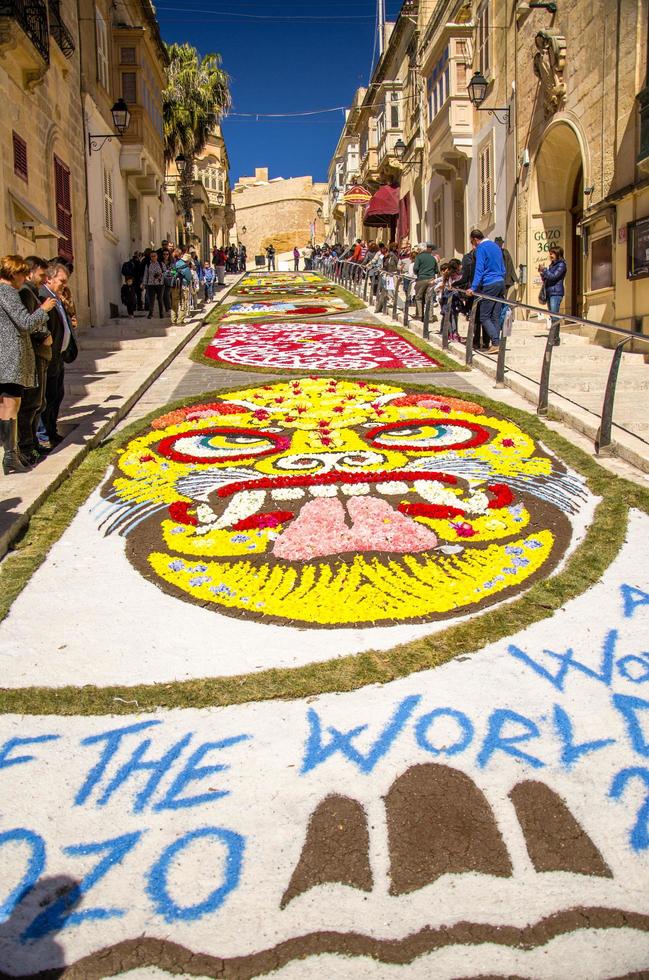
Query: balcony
{"x": 385, "y": 156}
{"x": 449, "y": 136}
{"x": 59, "y": 30}
{"x": 24, "y": 31}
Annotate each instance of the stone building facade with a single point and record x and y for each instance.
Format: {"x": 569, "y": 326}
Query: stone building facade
{"x": 128, "y": 209}
{"x": 212, "y": 217}
{"x": 43, "y": 179}
{"x": 558, "y": 152}
{"x": 278, "y": 211}
{"x": 586, "y": 184}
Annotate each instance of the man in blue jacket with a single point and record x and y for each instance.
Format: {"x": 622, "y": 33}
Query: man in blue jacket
{"x": 488, "y": 278}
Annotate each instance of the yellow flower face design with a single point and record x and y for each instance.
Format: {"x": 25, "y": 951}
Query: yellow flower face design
{"x": 331, "y": 503}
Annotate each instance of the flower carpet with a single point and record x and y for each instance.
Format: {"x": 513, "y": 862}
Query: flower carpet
{"x": 349, "y": 681}
{"x": 289, "y": 289}
{"x": 334, "y": 503}
{"x": 316, "y": 345}
{"x": 238, "y": 311}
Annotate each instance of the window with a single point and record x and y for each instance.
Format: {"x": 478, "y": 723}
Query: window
{"x": 438, "y": 221}
{"x": 365, "y": 143}
{"x": 108, "y": 200}
{"x": 638, "y": 248}
{"x": 393, "y": 102}
{"x": 63, "y": 207}
{"x": 601, "y": 263}
{"x": 129, "y": 87}
{"x": 485, "y": 181}
{"x": 20, "y": 156}
{"x": 483, "y": 46}
{"x": 438, "y": 86}
{"x": 127, "y": 56}
{"x": 102, "y": 50}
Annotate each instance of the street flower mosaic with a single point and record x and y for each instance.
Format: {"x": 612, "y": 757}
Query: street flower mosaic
{"x": 275, "y": 287}
{"x": 251, "y": 311}
{"x": 331, "y": 503}
{"x": 318, "y": 346}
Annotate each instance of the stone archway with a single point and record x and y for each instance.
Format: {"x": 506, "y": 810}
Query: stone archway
{"x": 557, "y": 207}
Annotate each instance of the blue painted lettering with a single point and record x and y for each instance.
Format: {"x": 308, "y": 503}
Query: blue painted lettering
{"x": 157, "y": 767}
{"x": 35, "y": 867}
{"x": 192, "y": 773}
{"x": 639, "y": 836}
{"x": 629, "y": 707}
{"x": 632, "y": 598}
{"x": 59, "y": 914}
{"x": 465, "y": 735}
{"x": 495, "y": 741}
{"x": 316, "y": 752}
{"x": 158, "y": 889}
{"x": 570, "y": 750}
{"x": 113, "y": 739}
{"x": 13, "y": 743}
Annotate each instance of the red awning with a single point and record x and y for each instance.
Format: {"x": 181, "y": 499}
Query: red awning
{"x": 383, "y": 209}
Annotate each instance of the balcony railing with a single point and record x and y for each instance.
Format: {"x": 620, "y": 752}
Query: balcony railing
{"x": 59, "y": 31}
{"x": 31, "y": 15}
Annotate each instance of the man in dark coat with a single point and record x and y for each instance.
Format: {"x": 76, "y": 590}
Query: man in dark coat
{"x": 33, "y": 400}
{"x": 56, "y": 278}
{"x": 511, "y": 278}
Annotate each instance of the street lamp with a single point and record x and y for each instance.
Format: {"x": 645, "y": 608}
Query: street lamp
{"x": 121, "y": 119}
{"x": 244, "y": 230}
{"x": 219, "y": 198}
{"x": 477, "y": 90}
{"x": 318, "y": 213}
{"x": 399, "y": 150}
{"x": 181, "y": 163}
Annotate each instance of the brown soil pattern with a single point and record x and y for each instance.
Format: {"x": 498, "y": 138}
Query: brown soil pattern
{"x": 148, "y": 952}
{"x": 555, "y": 840}
{"x": 336, "y": 849}
{"x": 440, "y": 823}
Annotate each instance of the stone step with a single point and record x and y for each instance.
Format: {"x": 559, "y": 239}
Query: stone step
{"x": 109, "y": 343}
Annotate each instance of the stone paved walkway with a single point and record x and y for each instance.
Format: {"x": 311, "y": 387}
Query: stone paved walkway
{"x": 347, "y": 680}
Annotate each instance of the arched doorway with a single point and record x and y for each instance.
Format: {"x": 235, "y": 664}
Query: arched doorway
{"x": 557, "y": 209}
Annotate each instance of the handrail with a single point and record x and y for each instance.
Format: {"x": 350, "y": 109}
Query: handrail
{"x": 342, "y": 270}
{"x": 543, "y": 310}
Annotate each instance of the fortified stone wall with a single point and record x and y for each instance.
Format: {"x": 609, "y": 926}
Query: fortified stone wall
{"x": 277, "y": 211}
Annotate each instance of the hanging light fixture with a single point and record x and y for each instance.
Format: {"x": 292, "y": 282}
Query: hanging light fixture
{"x": 477, "y": 89}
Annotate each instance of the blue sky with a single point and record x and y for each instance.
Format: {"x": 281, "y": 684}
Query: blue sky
{"x": 282, "y": 63}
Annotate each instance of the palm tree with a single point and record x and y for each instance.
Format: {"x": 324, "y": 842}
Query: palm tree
{"x": 196, "y": 97}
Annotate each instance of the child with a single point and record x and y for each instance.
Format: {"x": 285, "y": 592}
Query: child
{"x": 452, "y": 274}
{"x": 129, "y": 297}
{"x": 209, "y": 277}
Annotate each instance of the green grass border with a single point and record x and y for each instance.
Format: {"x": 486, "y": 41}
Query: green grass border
{"x": 584, "y": 569}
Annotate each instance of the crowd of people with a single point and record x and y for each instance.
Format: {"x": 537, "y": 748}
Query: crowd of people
{"x": 176, "y": 280}
{"x": 486, "y": 268}
{"x": 37, "y": 323}
{"x": 37, "y": 331}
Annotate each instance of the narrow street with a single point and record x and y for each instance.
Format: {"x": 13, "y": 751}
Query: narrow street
{"x": 349, "y": 678}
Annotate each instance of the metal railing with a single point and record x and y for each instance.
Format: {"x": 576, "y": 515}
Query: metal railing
{"x": 59, "y": 30}
{"x": 367, "y": 284}
{"x": 32, "y": 17}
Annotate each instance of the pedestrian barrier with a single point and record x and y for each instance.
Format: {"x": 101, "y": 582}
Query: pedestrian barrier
{"x": 368, "y": 284}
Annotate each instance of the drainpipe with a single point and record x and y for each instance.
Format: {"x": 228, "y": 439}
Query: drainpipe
{"x": 86, "y": 217}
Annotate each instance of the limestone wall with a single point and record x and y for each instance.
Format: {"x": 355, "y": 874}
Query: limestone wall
{"x": 277, "y": 211}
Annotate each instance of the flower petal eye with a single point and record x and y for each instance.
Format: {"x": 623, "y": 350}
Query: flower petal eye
{"x": 220, "y": 445}
{"x": 432, "y": 435}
